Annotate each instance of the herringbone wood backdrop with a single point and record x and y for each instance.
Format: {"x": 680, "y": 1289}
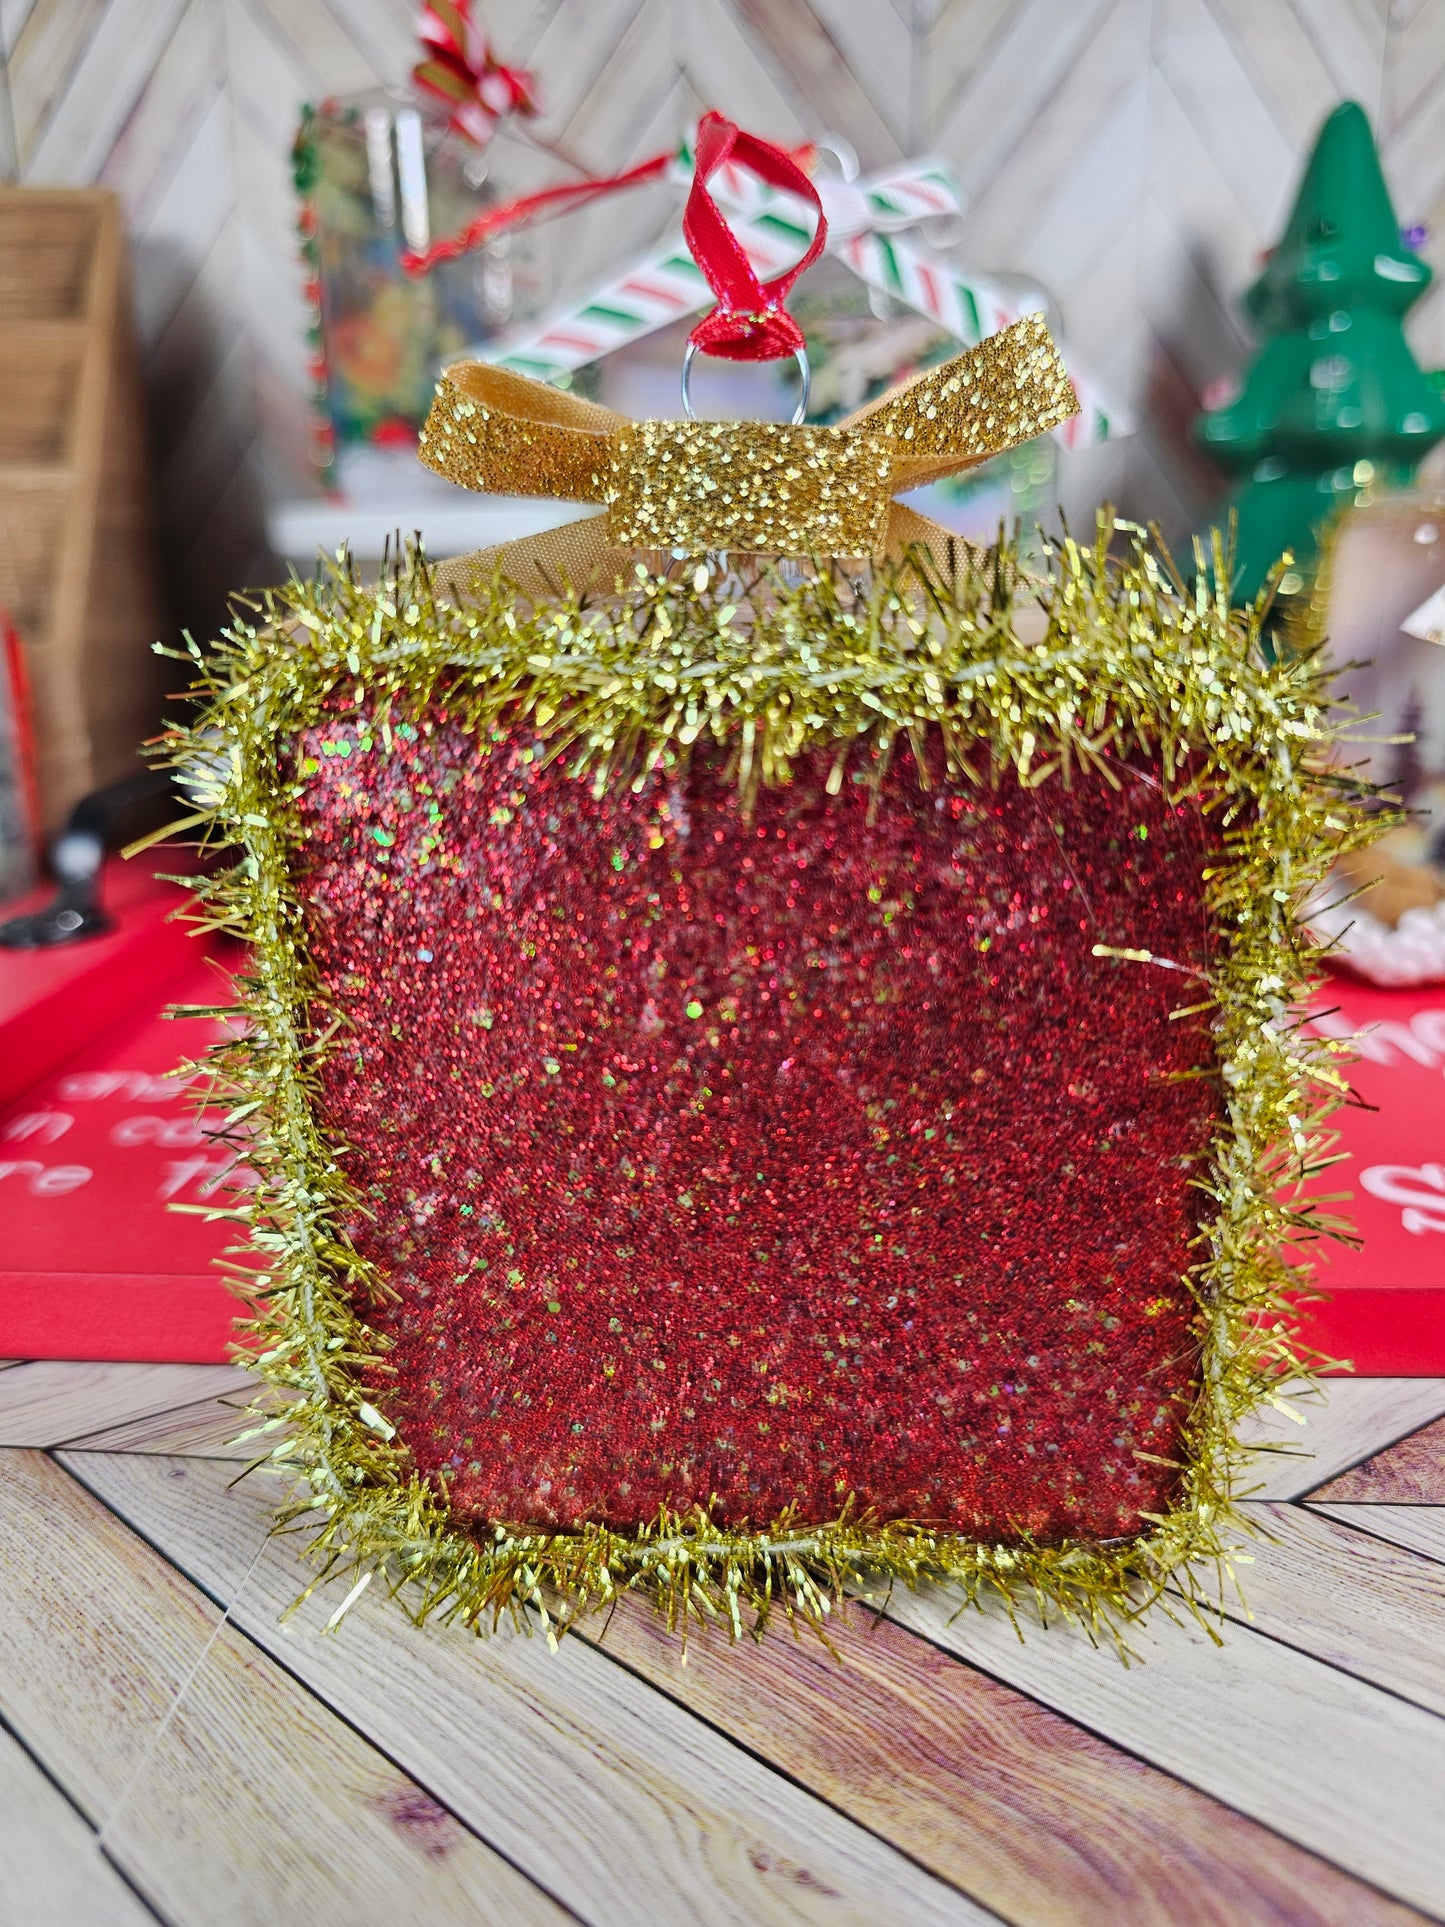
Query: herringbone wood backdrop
{"x": 1132, "y": 154}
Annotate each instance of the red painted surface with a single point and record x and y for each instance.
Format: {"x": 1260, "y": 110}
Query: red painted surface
{"x": 54, "y": 1003}
{"x": 95, "y": 1141}
{"x": 1386, "y": 1307}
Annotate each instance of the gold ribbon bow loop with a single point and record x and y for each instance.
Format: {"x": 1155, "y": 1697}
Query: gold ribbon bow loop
{"x": 764, "y": 488}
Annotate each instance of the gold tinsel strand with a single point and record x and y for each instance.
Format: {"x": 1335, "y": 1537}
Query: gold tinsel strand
{"x": 1127, "y": 657}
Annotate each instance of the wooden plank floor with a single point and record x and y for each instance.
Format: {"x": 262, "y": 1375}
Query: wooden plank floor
{"x": 170, "y": 1749}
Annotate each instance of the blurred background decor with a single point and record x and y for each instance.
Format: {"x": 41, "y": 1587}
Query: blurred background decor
{"x": 1131, "y": 157}
{"x": 19, "y": 791}
{"x": 1131, "y": 165}
{"x": 1334, "y": 407}
{"x": 379, "y": 176}
{"x": 1376, "y": 604}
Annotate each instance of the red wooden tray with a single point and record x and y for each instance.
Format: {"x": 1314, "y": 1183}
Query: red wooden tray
{"x": 95, "y": 1142}
{"x": 1386, "y": 1306}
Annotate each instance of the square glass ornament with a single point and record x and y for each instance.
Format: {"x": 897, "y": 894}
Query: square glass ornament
{"x": 379, "y": 174}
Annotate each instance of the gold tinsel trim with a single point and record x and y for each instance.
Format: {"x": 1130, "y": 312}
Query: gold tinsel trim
{"x": 1127, "y": 656}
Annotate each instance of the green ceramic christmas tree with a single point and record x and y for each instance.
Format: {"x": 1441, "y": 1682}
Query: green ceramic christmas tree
{"x": 1334, "y": 404}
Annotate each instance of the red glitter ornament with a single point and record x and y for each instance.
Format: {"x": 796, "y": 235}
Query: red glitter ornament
{"x": 766, "y": 1162}
{"x": 768, "y": 1035}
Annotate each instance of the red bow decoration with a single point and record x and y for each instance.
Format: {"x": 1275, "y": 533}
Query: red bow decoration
{"x": 462, "y": 71}
{"x": 749, "y": 322}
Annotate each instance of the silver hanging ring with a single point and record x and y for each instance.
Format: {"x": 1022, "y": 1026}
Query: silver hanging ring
{"x": 843, "y": 152}
{"x": 805, "y": 375}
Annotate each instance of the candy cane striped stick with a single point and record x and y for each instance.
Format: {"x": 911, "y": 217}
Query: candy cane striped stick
{"x": 773, "y": 227}
{"x": 659, "y": 289}
{"x": 969, "y": 309}
{"x": 666, "y": 286}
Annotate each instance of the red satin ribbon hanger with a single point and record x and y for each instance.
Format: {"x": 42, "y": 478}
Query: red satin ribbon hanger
{"x": 750, "y": 321}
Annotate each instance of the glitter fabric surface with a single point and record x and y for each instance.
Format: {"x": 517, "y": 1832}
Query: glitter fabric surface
{"x": 749, "y": 487}
{"x": 765, "y": 1163}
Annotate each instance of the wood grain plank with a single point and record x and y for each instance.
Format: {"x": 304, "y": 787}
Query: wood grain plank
{"x": 1096, "y": 96}
{"x": 231, "y": 543}
{"x": 723, "y": 66}
{"x": 1204, "y": 72}
{"x": 1184, "y": 310}
{"x": 1083, "y": 239}
{"x": 203, "y": 1431}
{"x": 1339, "y": 1767}
{"x": 1004, "y": 103}
{"x": 181, "y": 365}
{"x": 1040, "y": 1820}
{"x": 1285, "y": 66}
{"x": 1088, "y": 476}
{"x": 788, "y": 36}
{"x": 49, "y": 1401}
{"x": 275, "y": 307}
{"x": 385, "y": 33}
{"x": 183, "y": 222}
{"x": 317, "y": 41}
{"x": 1426, "y": 323}
{"x": 1416, "y": 61}
{"x": 1351, "y": 37}
{"x": 1355, "y": 1602}
{"x": 42, "y": 54}
{"x": 190, "y": 70}
{"x": 526, "y": 19}
{"x": 1410, "y": 1472}
{"x": 100, "y": 90}
{"x": 666, "y": 1821}
{"x": 1165, "y": 484}
{"x": 1351, "y": 1420}
{"x": 50, "y": 1867}
{"x": 573, "y": 47}
{"x": 606, "y": 123}
{"x": 224, "y": 423}
{"x": 267, "y": 86}
{"x": 1214, "y": 225}
{"x": 878, "y": 49}
{"x": 1419, "y": 1528}
{"x": 1414, "y": 165}
{"x": 13, "y": 15}
{"x": 956, "y": 38}
{"x": 247, "y": 1799}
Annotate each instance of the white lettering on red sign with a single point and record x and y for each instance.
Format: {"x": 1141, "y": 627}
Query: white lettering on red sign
{"x": 46, "y": 1125}
{"x": 177, "y": 1132}
{"x": 1422, "y": 1040}
{"x": 46, "y": 1181}
{"x": 140, "y": 1087}
{"x": 1418, "y": 1189}
{"x": 207, "y": 1174}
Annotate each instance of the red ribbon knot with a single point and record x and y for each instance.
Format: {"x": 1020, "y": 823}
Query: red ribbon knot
{"x": 751, "y": 321}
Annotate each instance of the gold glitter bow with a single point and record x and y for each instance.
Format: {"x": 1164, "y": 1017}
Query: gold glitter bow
{"x": 761, "y": 488}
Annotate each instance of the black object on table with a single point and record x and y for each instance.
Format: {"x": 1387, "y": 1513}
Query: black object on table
{"x": 77, "y": 856}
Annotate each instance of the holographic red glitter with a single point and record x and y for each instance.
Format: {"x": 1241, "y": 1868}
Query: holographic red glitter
{"x": 766, "y": 1161}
